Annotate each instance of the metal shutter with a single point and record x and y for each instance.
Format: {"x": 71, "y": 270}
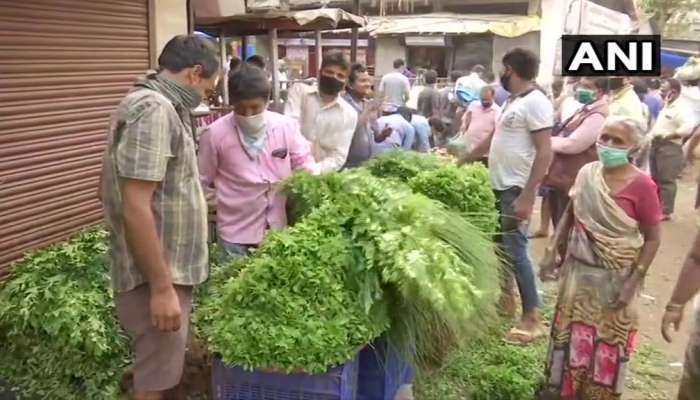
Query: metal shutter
{"x": 64, "y": 66}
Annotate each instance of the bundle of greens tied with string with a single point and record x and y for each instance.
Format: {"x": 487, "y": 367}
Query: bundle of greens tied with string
{"x": 400, "y": 248}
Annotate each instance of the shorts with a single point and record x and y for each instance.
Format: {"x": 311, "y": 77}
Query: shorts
{"x": 159, "y": 357}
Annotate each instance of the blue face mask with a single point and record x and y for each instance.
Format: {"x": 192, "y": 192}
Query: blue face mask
{"x": 612, "y": 157}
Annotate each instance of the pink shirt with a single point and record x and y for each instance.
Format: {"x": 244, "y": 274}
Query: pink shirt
{"x": 583, "y": 137}
{"x": 247, "y": 203}
{"x": 482, "y": 124}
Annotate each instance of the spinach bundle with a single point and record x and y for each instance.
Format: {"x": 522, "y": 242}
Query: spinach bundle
{"x": 466, "y": 190}
{"x": 367, "y": 256}
{"x": 60, "y": 338}
{"x": 290, "y": 307}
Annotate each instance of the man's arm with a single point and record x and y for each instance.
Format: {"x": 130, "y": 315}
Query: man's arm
{"x": 207, "y": 159}
{"x": 693, "y": 144}
{"x": 581, "y": 138}
{"x": 141, "y": 235}
{"x": 406, "y": 89}
{"x": 141, "y": 160}
{"x": 687, "y": 286}
{"x": 478, "y": 151}
{"x": 539, "y": 117}
{"x": 543, "y": 157}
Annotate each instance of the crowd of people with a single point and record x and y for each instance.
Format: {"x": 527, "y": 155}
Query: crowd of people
{"x": 603, "y": 153}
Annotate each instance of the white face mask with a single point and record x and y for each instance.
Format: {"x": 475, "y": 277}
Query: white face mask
{"x": 251, "y": 126}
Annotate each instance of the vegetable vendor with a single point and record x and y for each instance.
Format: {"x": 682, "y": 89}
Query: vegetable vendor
{"x": 243, "y": 155}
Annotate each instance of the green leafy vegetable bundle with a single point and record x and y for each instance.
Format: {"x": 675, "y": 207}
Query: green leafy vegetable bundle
{"x": 367, "y": 256}
{"x": 60, "y": 338}
{"x": 466, "y": 190}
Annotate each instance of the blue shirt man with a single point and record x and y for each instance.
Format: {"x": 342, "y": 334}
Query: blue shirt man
{"x": 402, "y": 137}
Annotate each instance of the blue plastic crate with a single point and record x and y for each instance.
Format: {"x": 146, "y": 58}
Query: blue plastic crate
{"x": 235, "y": 383}
{"x": 382, "y": 372}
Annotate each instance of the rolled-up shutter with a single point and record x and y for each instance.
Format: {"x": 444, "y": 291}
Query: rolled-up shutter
{"x": 64, "y": 66}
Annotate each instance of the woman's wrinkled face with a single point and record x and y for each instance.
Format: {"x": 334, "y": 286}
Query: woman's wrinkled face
{"x": 618, "y": 136}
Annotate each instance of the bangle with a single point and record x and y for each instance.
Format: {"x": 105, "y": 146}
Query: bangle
{"x": 673, "y": 307}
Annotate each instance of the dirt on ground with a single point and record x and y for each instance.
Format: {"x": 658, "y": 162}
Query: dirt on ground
{"x": 658, "y": 365}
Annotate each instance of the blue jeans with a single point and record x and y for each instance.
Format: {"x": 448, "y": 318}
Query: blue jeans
{"x": 514, "y": 245}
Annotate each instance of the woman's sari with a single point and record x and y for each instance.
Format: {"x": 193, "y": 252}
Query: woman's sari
{"x": 591, "y": 342}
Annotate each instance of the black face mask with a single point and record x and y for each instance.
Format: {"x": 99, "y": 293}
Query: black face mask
{"x": 505, "y": 82}
{"x": 330, "y": 86}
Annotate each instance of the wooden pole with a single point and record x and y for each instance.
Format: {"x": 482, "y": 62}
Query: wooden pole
{"x": 353, "y": 44}
{"x": 319, "y": 54}
{"x": 275, "y": 68}
{"x": 355, "y": 35}
{"x": 222, "y": 55}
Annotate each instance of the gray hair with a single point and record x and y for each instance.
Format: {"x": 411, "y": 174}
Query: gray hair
{"x": 635, "y": 126}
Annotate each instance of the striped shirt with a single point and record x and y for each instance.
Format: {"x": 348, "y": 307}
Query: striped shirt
{"x": 151, "y": 140}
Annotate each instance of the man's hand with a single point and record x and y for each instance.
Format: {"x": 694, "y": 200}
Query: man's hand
{"x": 379, "y": 137}
{"x": 674, "y": 317}
{"x": 165, "y": 309}
{"x": 523, "y": 205}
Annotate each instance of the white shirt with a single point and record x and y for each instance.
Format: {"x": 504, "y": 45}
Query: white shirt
{"x": 512, "y": 148}
{"x": 329, "y": 127}
{"x": 676, "y": 117}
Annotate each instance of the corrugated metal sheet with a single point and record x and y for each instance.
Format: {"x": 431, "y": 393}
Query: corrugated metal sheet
{"x": 64, "y": 66}
{"x": 453, "y": 24}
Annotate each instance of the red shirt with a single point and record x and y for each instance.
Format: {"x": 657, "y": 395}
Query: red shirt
{"x": 640, "y": 200}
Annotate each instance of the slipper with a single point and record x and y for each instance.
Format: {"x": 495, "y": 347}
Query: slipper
{"x": 520, "y": 337}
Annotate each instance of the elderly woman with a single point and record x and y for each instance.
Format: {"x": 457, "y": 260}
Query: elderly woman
{"x": 607, "y": 240}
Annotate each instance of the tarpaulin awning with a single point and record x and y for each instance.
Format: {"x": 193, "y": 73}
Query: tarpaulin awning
{"x": 672, "y": 60}
{"x": 256, "y": 24}
{"x": 453, "y": 24}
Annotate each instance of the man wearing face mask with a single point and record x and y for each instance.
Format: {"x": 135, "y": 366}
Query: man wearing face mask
{"x": 519, "y": 156}
{"x": 624, "y": 101}
{"x": 243, "y": 155}
{"x": 676, "y": 123}
{"x": 156, "y": 212}
{"x": 574, "y": 145}
{"x": 326, "y": 120}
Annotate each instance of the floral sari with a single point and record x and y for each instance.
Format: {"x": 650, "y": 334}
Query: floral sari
{"x": 592, "y": 342}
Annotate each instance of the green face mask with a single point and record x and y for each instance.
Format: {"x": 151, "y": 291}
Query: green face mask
{"x": 612, "y": 157}
{"x": 585, "y": 96}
